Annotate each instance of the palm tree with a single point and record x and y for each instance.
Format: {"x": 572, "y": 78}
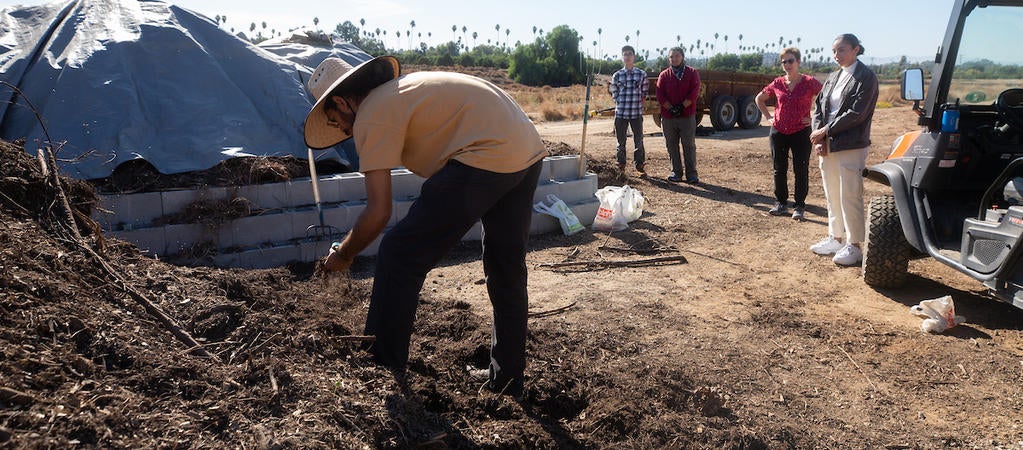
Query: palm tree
{"x": 740, "y": 39}
{"x": 362, "y": 22}
{"x": 408, "y": 34}
{"x": 507, "y": 31}
{"x": 599, "y": 44}
{"x": 218, "y": 20}
{"x": 412, "y": 26}
{"x": 534, "y": 30}
{"x": 498, "y": 29}
{"x": 637, "y": 38}
{"x": 464, "y": 29}
{"x": 726, "y": 43}
{"x": 474, "y": 36}
{"x": 397, "y": 39}
{"x": 252, "y": 27}
{"x": 715, "y": 38}
{"x": 316, "y": 22}
{"x": 454, "y": 28}
{"x": 429, "y": 37}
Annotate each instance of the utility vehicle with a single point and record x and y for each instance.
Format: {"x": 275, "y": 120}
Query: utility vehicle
{"x": 957, "y": 183}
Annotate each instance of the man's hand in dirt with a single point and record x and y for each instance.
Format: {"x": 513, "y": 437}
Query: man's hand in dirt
{"x": 335, "y": 262}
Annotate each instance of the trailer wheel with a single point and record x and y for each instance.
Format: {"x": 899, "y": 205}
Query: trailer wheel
{"x": 749, "y": 114}
{"x": 886, "y": 253}
{"x": 723, "y": 112}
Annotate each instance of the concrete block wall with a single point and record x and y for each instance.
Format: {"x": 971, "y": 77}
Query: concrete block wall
{"x": 284, "y": 224}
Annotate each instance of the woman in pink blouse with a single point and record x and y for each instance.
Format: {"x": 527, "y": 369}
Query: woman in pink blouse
{"x": 790, "y": 131}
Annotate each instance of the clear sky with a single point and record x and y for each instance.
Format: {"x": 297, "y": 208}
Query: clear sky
{"x": 888, "y": 28}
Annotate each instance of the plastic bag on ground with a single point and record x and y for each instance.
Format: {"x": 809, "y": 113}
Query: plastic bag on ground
{"x": 619, "y": 205}
{"x": 557, "y": 208}
{"x": 939, "y": 314}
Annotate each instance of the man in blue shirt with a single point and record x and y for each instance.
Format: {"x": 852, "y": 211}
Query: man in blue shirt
{"x": 628, "y": 89}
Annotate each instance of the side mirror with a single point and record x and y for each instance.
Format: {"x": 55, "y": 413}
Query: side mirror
{"x": 911, "y": 84}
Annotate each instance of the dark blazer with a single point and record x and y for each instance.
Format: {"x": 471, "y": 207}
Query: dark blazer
{"x": 851, "y": 127}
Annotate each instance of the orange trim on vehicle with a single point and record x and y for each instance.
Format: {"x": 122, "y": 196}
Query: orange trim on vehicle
{"x": 903, "y": 144}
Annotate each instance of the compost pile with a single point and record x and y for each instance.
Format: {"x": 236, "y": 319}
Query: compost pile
{"x": 82, "y": 362}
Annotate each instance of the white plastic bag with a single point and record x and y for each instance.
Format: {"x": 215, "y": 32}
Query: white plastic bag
{"x": 939, "y": 314}
{"x": 619, "y": 205}
{"x": 557, "y": 208}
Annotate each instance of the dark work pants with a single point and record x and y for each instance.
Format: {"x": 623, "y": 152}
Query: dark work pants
{"x": 799, "y": 144}
{"x": 681, "y": 130}
{"x": 639, "y": 156}
{"x": 450, "y": 202}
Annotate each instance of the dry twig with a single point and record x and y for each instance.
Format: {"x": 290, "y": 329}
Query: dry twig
{"x": 552, "y": 312}
{"x": 604, "y": 264}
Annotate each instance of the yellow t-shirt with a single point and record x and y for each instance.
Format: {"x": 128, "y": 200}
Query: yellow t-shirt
{"x": 423, "y": 119}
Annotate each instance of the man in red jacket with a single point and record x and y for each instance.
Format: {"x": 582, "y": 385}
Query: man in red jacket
{"x": 678, "y": 86}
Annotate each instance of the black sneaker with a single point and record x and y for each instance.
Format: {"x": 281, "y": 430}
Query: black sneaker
{"x": 779, "y": 209}
{"x": 675, "y": 178}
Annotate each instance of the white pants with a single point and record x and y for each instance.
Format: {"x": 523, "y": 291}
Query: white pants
{"x": 842, "y": 173}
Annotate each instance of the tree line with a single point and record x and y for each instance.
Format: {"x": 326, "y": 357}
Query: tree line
{"x": 559, "y": 57}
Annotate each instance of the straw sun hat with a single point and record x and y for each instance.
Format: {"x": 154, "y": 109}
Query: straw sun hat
{"x": 332, "y": 75}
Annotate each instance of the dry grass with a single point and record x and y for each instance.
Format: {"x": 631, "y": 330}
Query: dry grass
{"x": 549, "y": 104}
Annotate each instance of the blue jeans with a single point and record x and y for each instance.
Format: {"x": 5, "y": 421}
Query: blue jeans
{"x": 450, "y": 203}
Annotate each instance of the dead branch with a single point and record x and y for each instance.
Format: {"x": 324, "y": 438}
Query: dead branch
{"x": 858, "y": 367}
{"x": 356, "y": 338}
{"x": 11, "y": 396}
{"x": 605, "y": 264}
{"x": 552, "y": 312}
{"x": 167, "y": 321}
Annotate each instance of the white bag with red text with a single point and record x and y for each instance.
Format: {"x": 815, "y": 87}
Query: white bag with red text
{"x": 619, "y": 205}
{"x": 939, "y": 314}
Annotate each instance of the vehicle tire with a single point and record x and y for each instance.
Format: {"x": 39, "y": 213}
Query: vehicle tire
{"x": 749, "y": 113}
{"x": 886, "y": 253}
{"x": 723, "y": 112}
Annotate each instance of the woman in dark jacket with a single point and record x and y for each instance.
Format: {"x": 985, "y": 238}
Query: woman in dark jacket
{"x": 841, "y": 138}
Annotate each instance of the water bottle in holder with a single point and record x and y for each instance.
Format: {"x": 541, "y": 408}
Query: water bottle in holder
{"x": 950, "y": 119}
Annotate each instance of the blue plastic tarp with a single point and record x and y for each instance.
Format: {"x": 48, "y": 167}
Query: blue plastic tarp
{"x": 118, "y": 80}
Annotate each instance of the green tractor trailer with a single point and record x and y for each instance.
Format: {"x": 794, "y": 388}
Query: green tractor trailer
{"x": 957, "y": 182}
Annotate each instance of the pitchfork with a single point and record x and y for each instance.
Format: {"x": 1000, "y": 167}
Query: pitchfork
{"x": 321, "y": 232}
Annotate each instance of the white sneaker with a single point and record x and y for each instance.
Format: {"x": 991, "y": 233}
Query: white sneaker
{"x": 849, "y": 255}
{"x": 826, "y": 246}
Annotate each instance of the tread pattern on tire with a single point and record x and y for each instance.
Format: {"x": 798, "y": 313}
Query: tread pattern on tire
{"x": 886, "y": 253}
{"x": 745, "y": 104}
{"x": 716, "y": 108}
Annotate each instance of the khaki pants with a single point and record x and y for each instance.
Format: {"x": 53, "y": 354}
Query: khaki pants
{"x": 842, "y": 173}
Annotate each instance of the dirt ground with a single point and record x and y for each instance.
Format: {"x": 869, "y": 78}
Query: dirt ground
{"x": 753, "y": 342}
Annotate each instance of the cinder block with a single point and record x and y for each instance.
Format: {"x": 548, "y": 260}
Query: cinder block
{"x": 330, "y": 189}
{"x": 352, "y": 187}
{"x": 336, "y": 215}
{"x": 314, "y": 250}
{"x": 405, "y": 185}
{"x": 274, "y": 196}
{"x": 565, "y": 167}
{"x": 133, "y": 210}
{"x": 545, "y": 188}
{"x": 183, "y": 237}
{"x": 248, "y": 192}
{"x": 257, "y": 230}
{"x": 226, "y": 260}
{"x": 542, "y": 223}
{"x": 300, "y": 193}
{"x": 262, "y": 258}
{"x": 586, "y": 211}
{"x": 399, "y": 210}
{"x": 352, "y": 211}
{"x": 151, "y": 241}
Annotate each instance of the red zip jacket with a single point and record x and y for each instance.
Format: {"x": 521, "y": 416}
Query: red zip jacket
{"x": 673, "y": 90}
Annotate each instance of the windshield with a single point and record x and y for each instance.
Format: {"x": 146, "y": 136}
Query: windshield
{"x": 990, "y": 57}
